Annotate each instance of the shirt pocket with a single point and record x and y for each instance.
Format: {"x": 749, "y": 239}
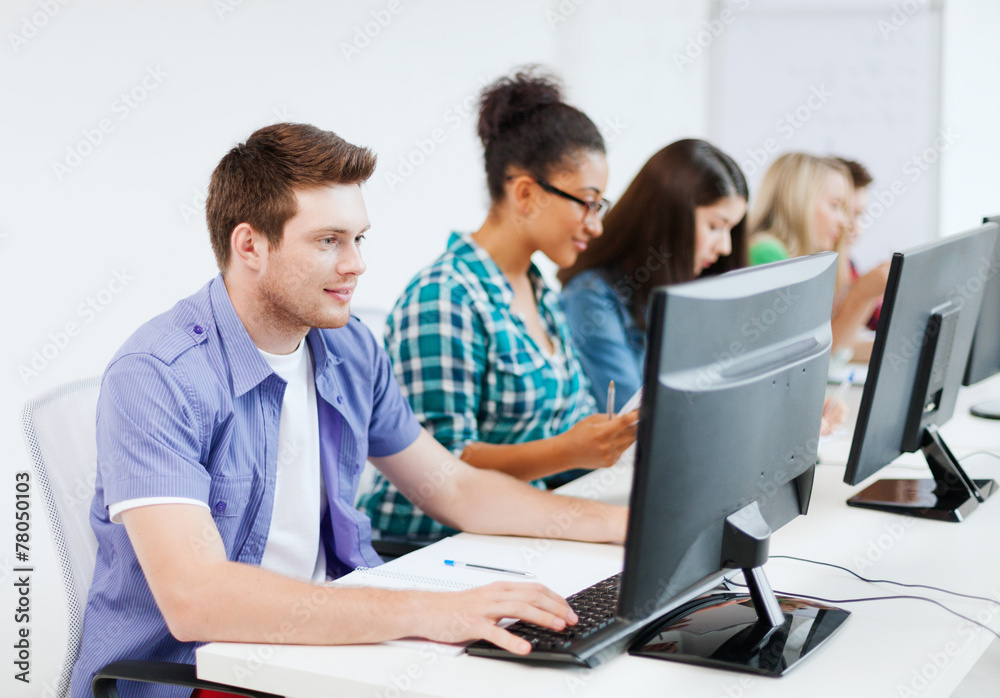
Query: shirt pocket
{"x": 228, "y": 498}
{"x": 523, "y": 383}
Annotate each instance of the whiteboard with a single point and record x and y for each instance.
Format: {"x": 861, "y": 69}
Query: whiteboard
{"x": 858, "y": 82}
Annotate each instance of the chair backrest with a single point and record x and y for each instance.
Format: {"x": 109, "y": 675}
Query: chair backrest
{"x": 59, "y": 428}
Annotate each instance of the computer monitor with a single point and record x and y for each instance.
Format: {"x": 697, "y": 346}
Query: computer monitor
{"x": 733, "y": 396}
{"x": 984, "y": 359}
{"x": 932, "y": 301}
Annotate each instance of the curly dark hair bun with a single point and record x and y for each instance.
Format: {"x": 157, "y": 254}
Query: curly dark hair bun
{"x": 524, "y": 123}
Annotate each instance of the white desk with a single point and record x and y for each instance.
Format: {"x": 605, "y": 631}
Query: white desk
{"x": 885, "y": 649}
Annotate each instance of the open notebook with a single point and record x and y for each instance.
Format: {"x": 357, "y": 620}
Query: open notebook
{"x": 425, "y": 570}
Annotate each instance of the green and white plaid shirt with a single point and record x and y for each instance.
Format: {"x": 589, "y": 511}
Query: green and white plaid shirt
{"x": 471, "y": 371}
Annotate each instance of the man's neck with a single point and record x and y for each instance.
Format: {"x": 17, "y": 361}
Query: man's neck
{"x": 266, "y": 334}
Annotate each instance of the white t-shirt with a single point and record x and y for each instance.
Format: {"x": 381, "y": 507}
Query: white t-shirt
{"x": 294, "y": 546}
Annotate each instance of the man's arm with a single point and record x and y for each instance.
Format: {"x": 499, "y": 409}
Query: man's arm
{"x": 484, "y": 501}
{"x": 205, "y": 597}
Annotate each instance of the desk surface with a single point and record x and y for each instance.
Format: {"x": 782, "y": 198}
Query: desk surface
{"x": 887, "y": 648}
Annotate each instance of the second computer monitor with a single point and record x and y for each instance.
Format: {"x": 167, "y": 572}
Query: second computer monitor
{"x": 932, "y": 301}
{"x": 733, "y": 396}
{"x": 984, "y": 359}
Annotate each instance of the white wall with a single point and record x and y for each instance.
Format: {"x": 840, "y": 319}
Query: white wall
{"x": 214, "y": 71}
{"x": 970, "y": 169}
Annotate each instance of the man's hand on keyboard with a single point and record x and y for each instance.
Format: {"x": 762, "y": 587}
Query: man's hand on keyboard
{"x": 474, "y": 614}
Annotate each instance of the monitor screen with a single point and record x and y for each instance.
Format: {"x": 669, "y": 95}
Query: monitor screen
{"x": 931, "y": 305}
{"x": 984, "y": 359}
{"x": 733, "y": 397}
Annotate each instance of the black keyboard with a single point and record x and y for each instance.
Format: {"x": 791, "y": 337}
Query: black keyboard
{"x": 598, "y": 635}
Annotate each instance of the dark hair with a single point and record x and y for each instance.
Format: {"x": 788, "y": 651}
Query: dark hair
{"x": 523, "y": 122}
{"x": 860, "y": 176}
{"x": 649, "y": 234}
{"x": 254, "y": 182}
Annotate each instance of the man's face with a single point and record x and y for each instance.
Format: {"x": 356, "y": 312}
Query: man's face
{"x": 308, "y": 280}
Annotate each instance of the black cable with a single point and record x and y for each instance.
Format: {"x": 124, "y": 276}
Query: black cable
{"x": 889, "y": 581}
{"x": 880, "y": 598}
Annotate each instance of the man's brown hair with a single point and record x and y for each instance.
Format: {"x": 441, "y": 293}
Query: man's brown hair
{"x": 860, "y": 176}
{"x": 255, "y": 182}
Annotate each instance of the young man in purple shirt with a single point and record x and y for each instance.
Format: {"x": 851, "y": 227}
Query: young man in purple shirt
{"x": 196, "y": 503}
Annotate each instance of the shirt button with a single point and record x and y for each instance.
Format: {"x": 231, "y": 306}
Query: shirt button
{"x": 220, "y": 507}
{"x": 198, "y": 329}
{"x": 340, "y": 399}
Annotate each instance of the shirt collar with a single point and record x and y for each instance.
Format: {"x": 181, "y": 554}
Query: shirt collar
{"x": 492, "y": 279}
{"x": 248, "y": 367}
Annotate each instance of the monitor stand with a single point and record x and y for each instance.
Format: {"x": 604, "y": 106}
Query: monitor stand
{"x": 951, "y": 496}
{"x": 987, "y": 410}
{"x": 759, "y": 633}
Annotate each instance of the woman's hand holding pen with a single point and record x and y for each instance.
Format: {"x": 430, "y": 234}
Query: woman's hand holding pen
{"x": 834, "y": 415}
{"x": 598, "y": 442}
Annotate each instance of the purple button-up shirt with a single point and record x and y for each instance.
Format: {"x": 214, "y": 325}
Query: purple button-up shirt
{"x": 189, "y": 408}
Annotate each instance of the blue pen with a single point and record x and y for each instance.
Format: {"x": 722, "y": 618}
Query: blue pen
{"x": 456, "y": 563}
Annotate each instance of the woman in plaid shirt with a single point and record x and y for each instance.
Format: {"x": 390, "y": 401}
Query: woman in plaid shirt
{"x": 478, "y": 342}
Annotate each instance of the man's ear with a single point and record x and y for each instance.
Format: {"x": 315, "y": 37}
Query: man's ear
{"x": 249, "y": 247}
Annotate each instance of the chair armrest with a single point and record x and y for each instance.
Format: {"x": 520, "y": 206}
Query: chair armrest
{"x": 105, "y": 683}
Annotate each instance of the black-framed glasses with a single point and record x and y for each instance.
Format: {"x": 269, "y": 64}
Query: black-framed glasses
{"x": 597, "y": 209}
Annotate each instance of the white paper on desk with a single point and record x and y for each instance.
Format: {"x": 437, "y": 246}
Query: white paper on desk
{"x": 627, "y": 458}
{"x": 424, "y": 569}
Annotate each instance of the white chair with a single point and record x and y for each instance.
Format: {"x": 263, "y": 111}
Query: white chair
{"x": 59, "y": 428}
